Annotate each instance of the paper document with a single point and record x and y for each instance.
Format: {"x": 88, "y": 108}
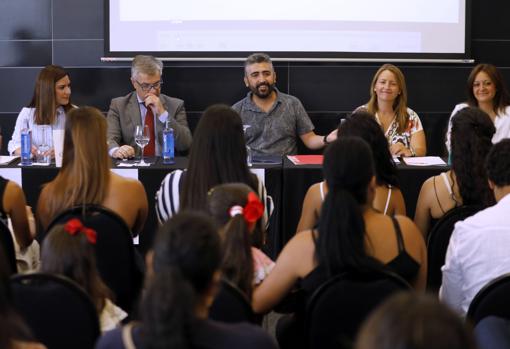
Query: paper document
{"x": 424, "y": 161}
{"x": 4, "y": 160}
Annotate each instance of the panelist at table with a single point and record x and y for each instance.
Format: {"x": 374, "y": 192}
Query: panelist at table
{"x": 146, "y": 106}
{"x": 273, "y": 120}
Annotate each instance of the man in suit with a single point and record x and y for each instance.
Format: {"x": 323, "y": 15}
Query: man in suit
{"x": 145, "y": 106}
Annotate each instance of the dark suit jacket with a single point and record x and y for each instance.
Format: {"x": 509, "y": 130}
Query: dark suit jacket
{"x": 124, "y": 115}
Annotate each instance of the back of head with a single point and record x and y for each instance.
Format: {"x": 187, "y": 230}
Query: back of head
{"x": 148, "y": 65}
{"x": 187, "y": 253}
{"x": 226, "y": 204}
{"x": 257, "y": 57}
{"x": 68, "y": 250}
{"x": 471, "y": 138}
{"x": 44, "y": 99}
{"x": 501, "y": 98}
{"x": 217, "y": 156}
{"x": 363, "y": 124}
{"x": 85, "y": 173}
{"x": 412, "y": 321}
{"x": 498, "y": 163}
{"x": 348, "y": 170}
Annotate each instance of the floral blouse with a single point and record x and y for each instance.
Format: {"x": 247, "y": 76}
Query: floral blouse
{"x": 413, "y": 125}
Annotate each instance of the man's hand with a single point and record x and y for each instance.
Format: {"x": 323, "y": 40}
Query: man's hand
{"x": 124, "y": 152}
{"x": 152, "y": 101}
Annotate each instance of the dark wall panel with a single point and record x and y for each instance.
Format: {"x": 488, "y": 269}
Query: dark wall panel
{"x": 25, "y": 20}
{"x": 25, "y": 53}
{"x": 78, "y": 19}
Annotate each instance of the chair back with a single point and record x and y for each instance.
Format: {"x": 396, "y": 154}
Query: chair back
{"x": 7, "y": 243}
{"x": 438, "y": 240}
{"x": 119, "y": 264}
{"x": 58, "y": 311}
{"x": 336, "y": 310}
{"x": 492, "y": 299}
{"x": 231, "y": 305}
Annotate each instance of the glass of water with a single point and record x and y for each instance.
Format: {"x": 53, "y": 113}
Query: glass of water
{"x": 42, "y": 139}
{"x": 142, "y": 138}
{"x": 249, "y": 156}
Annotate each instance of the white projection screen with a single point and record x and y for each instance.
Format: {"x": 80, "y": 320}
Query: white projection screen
{"x": 289, "y": 29}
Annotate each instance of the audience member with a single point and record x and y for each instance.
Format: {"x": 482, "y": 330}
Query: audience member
{"x": 486, "y": 89}
{"x": 68, "y": 250}
{"x": 466, "y": 182}
{"x": 131, "y": 110}
{"x": 493, "y": 332}
{"x": 414, "y": 321}
{"x": 85, "y": 176}
{"x": 49, "y": 105}
{"x": 478, "y": 249}
{"x": 388, "y": 198}
{"x": 14, "y": 334}
{"x": 217, "y": 156}
{"x": 388, "y": 102}
{"x": 236, "y": 209}
{"x": 185, "y": 265}
{"x": 273, "y": 119}
{"x": 351, "y": 235}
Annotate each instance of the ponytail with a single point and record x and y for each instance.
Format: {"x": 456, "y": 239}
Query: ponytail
{"x": 168, "y": 310}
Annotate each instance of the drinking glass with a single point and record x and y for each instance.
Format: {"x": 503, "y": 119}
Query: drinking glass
{"x": 249, "y": 156}
{"x": 142, "y": 138}
{"x": 42, "y": 140}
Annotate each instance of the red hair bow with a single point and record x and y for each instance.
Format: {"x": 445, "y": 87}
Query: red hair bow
{"x": 75, "y": 226}
{"x": 253, "y": 210}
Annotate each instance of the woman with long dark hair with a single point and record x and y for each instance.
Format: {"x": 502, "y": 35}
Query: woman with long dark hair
{"x": 217, "y": 156}
{"x": 466, "y": 182}
{"x": 184, "y": 275}
{"x": 50, "y": 103}
{"x": 351, "y": 235}
{"x": 388, "y": 198}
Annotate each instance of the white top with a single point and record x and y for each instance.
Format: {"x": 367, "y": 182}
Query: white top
{"x": 502, "y": 124}
{"x": 478, "y": 253}
{"x": 28, "y": 114}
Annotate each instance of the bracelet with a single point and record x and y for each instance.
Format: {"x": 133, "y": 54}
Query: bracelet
{"x": 325, "y": 140}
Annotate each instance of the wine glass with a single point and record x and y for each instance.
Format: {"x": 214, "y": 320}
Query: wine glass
{"x": 142, "y": 138}
{"x": 42, "y": 140}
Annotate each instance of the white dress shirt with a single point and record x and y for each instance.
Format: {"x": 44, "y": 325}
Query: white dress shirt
{"x": 479, "y": 252}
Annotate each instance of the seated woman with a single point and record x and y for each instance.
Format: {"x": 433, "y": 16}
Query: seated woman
{"x": 185, "y": 271}
{"x": 14, "y": 333}
{"x": 388, "y": 198}
{"x": 50, "y": 104}
{"x": 466, "y": 182}
{"x": 68, "y": 250}
{"x": 217, "y": 156}
{"x": 486, "y": 89}
{"x": 85, "y": 176}
{"x": 351, "y": 235}
{"x": 414, "y": 322}
{"x": 388, "y": 102}
{"x": 236, "y": 209}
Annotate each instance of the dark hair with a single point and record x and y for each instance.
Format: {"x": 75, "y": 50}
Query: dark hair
{"x": 472, "y": 131}
{"x": 73, "y": 256}
{"x": 363, "y": 124}
{"x": 44, "y": 99}
{"x": 257, "y": 57}
{"x": 187, "y": 253}
{"x": 12, "y": 326}
{"x": 498, "y": 163}
{"x": 414, "y": 321}
{"x": 237, "y": 265}
{"x": 217, "y": 156}
{"x": 348, "y": 168}
{"x": 502, "y": 96}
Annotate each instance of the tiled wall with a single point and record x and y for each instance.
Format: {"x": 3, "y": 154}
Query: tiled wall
{"x": 34, "y": 33}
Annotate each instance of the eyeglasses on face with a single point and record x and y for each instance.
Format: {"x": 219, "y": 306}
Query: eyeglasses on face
{"x": 147, "y": 87}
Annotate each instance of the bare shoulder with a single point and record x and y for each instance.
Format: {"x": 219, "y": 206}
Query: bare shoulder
{"x": 123, "y": 182}
{"x": 409, "y": 229}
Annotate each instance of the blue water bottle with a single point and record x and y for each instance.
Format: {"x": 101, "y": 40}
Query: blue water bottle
{"x": 168, "y": 145}
{"x": 26, "y": 144}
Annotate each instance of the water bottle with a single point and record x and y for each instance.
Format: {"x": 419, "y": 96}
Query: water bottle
{"x": 26, "y": 144}
{"x": 168, "y": 145}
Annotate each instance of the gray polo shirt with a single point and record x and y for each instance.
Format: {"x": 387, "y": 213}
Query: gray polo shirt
{"x": 274, "y": 132}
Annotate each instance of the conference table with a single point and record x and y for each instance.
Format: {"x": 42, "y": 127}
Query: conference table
{"x": 286, "y": 182}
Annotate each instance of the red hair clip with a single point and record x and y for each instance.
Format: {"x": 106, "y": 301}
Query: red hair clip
{"x": 75, "y": 226}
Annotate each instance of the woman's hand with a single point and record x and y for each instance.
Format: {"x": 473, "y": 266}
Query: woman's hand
{"x": 399, "y": 149}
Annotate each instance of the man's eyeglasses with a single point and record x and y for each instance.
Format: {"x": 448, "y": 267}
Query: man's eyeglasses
{"x": 147, "y": 87}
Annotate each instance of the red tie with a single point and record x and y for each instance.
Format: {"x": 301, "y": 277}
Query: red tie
{"x": 150, "y": 148}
